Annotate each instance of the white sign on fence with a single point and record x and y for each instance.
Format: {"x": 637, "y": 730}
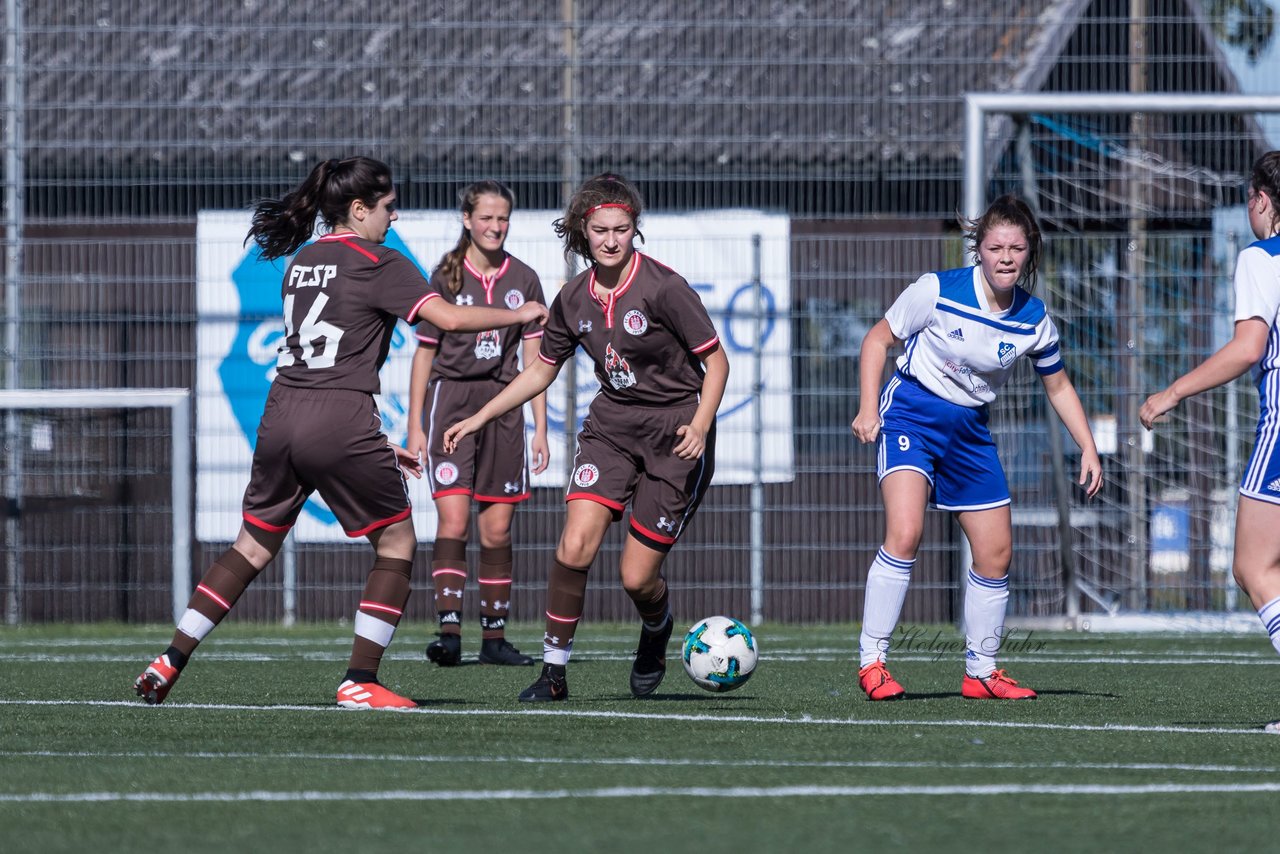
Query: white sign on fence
{"x": 240, "y": 327}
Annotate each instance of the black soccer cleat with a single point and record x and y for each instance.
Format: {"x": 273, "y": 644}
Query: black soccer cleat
{"x": 445, "y": 650}
{"x": 551, "y": 685}
{"x": 500, "y": 651}
{"x": 651, "y": 659}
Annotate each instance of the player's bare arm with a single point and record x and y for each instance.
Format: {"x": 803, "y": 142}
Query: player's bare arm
{"x": 539, "y": 448}
{"x": 1066, "y": 402}
{"x": 871, "y": 361}
{"x": 693, "y": 436}
{"x": 419, "y": 376}
{"x": 455, "y": 318}
{"x": 1237, "y": 356}
{"x": 530, "y": 382}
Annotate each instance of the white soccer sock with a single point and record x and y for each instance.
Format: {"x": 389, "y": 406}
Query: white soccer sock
{"x": 1270, "y": 616}
{"x": 985, "y": 601}
{"x": 556, "y": 655}
{"x": 887, "y": 582}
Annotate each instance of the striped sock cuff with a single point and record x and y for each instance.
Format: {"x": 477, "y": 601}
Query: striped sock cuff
{"x": 1270, "y": 616}
{"x": 895, "y": 563}
{"x": 1001, "y": 583}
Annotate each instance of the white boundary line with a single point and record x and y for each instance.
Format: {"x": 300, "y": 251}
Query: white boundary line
{"x": 799, "y": 720}
{"x": 1091, "y": 789}
{"x": 643, "y": 761}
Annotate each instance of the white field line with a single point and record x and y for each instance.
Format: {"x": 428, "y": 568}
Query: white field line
{"x": 773, "y": 649}
{"x": 640, "y": 761}
{"x": 1199, "y": 660}
{"x": 1086, "y": 789}
{"x": 798, "y": 720}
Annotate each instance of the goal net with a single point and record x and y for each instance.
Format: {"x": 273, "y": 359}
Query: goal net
{"x": 1142, "y": 202}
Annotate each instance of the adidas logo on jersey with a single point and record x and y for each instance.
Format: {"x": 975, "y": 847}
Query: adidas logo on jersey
{"x": 1274, "y": 486}
{"x": 956, "y": 333}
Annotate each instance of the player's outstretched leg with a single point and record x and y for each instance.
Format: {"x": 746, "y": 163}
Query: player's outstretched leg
{"x": 650, "y": 664}
{"x": 551, "y": 685}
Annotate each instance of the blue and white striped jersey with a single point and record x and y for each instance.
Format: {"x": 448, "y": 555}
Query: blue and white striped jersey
{"x": 1257, "y": 288}
{"x": 957, "y": 347}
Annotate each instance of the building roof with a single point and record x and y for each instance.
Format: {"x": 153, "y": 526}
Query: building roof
{"x": 216, "y": 91}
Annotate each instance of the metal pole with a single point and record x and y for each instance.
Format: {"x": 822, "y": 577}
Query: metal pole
{"x": 180, "y": 480}
{"x": 1232, "y": 462}
{"x": 14, "y": 205}
{"x": 757, "y": 437}
{"x": 1057, "y": 448}
{"x": 570, "y": 177}
{"x": 1131, "y": 432}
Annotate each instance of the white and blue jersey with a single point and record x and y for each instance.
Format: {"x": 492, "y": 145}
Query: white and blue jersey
{"x": 959, "y": 352}
{"x": 961, "y": 349}
{"x": 1257, "y": 292}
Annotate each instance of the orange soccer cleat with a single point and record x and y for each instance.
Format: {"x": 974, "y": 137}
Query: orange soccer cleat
{"x": 370, "y": 695}
{"x": 997, "y": 686}
{"x": 154, "y": 683}
{"x": 879, "y": 685}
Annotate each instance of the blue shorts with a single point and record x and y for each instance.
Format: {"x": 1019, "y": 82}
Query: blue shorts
{"x": 1261, "y": 479}
{"x": 947, "y": 443}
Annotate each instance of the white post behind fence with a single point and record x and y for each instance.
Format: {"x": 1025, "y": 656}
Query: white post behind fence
{"x": 178, "y": 402}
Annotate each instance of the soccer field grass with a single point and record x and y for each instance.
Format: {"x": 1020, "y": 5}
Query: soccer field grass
{"x": 1135, "y": 742}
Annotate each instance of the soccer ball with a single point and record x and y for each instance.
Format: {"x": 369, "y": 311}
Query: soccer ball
{"x": 719, "y": 653}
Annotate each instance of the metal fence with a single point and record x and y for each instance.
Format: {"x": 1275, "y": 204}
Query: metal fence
{"x": 123, "y": 128}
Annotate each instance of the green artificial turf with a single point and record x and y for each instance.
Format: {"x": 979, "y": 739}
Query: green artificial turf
{"x": 1136, "y": 741}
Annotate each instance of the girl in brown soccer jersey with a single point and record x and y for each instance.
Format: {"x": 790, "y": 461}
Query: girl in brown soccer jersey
{"x": 649, "y": 438}
{"x": 458, "y": 374}
{"x": 320, "y": 430}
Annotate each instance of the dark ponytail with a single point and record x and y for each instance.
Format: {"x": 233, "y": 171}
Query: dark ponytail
{"x": 281, "y": 226}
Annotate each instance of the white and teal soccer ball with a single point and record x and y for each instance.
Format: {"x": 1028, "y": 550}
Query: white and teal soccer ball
{"x": 719, "y": 653}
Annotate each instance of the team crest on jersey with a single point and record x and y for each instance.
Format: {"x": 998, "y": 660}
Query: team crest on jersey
{"x": 635, "y": 322}
{"x": 586, "y": 474}
{"x": 617, "y": 368}
{"x": 1007, "y": 353}
{"x": 488, "y": 345}
{"x": 513, "y": 299}
{"x": 446, "y": 473}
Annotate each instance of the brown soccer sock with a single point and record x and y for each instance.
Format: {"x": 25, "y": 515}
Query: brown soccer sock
{"x": 566, "y": 588}
{"x": 449, "y": 575}
{"x": 494, "y": 575}
{"x": 385, "y": 595}
{"x": 222, "y": 584}
{"x": 653, "y": 608}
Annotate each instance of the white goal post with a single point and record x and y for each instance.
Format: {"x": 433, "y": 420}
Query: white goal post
{"x": 979, "y": 107}
{"x": 178, "y": 402}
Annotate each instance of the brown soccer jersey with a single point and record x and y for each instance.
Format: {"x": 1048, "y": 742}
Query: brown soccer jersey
{"x": 342, "y": 295}
{"x": 493, "y": 354}
{"x": 644, "y": 337}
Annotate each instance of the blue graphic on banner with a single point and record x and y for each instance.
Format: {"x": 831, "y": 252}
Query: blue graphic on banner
{"x": 250, "y": 365}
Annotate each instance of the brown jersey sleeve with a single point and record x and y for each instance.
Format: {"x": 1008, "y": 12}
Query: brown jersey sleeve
{"x": 687, "y": 318}
{"x": 559, "y": 341}
{"x": 401, "y": 289}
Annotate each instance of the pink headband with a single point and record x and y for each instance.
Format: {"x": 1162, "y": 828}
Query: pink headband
{"x": 618, "y": 205}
